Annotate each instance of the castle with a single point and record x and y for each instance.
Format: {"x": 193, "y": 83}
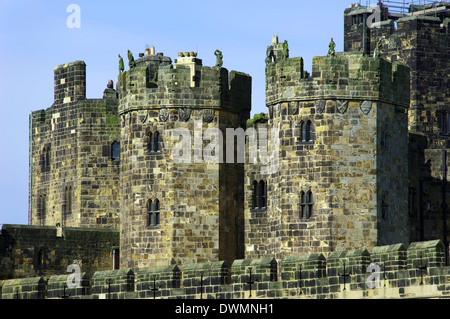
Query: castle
{"x": 167, "y": 174}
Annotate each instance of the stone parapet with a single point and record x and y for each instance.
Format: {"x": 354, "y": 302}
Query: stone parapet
{"x": 362, "y": 274}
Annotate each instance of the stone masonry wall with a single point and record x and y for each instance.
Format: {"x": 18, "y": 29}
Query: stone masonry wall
{"x": 422, "y": 42}
{"x": 357, "y": 108}
{"x": 73, "y": 178}
{"x": 32, "y": 251}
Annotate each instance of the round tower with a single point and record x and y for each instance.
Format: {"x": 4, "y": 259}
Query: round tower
{"x": 178, "y": 205}
{"x": 342, "y": 180}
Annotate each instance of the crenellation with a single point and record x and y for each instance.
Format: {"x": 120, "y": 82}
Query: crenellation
{"x": 349, "y": 274}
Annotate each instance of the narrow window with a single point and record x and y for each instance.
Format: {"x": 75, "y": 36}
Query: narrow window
{"x": 153, "y": 212}
{"x": 262, "y": 195}
{"x": 69, "y": 200}
{"x": 150, "y": 213}
{"x": 40, "y": 258}
{"x": 309, "y": 130}
{"x": 303, "y": 131}
{"x": 309, "y": 197}
{"x": 46, "y": 158}
{"x": 151, "y": 145}
{"x": 447, "y": 122}
{"x": 255, "y": 194}
{"x": 302, "y": 204}
{"x": 157, "y": 212}
{"x": 41, "y": 211}
{"x": 67, "y": 204}
{"x": 158, "y": 141}
{"x": 115, "y": 150}
{"x": 444, "y": 121}
{"x": 116, "y": 259}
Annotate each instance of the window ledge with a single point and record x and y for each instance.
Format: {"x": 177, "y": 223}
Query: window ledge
{"x": 154, "y": 227}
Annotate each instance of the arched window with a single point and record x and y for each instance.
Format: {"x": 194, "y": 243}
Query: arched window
{"x": 153, "y": 212}
{"x": 310, "y": 203}
{"x": 303, "y": 131}
{"x": 115, "y": 150}
{"x": 306, "y": 131}
{"x": 154, "y": 142}
{"x": 302, "y": 204}
{"x": 259, "y": 196}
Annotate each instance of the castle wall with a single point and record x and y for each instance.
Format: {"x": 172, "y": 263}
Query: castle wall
{"x": 32, "y": 251}
{"x": 391, "y": 271}
{"x": 422, "y": 42}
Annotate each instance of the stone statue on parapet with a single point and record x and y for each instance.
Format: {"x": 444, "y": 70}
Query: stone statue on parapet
{"x": 377, "y": 51}
{"x": 219, "y": 58}
{"x": 285, "y": 52}
{"x": 121, "y": 66}
{"x": 332, "y": 46}
{"x": 131, "y": 62}
{"x": 269, "y": 54}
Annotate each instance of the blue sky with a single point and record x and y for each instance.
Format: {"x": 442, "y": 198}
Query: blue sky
{"x": 34, "y": 38}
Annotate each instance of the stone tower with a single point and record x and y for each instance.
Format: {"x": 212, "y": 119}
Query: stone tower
{"x": 73, "y": 174}
{"x": 419, "y": 36}
{"x": 342, "y": 179}
{"x": 177, "y": 206}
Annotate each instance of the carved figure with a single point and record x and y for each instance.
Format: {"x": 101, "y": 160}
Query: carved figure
{"x": 332, "y": 46}
{"x": 121, "y": 65}
{"x": 376, "y": 52}
{"x": 269, "y": 54}
{"x": 219, "y": 58}
{"x": 131, "y": 62}
{"x": 285, "y": 52}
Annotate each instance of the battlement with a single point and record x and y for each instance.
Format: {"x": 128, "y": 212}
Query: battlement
{"x": 157, "y": 83}
{"x": 349, "y": 76}
{"x": 393, "y": 271}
